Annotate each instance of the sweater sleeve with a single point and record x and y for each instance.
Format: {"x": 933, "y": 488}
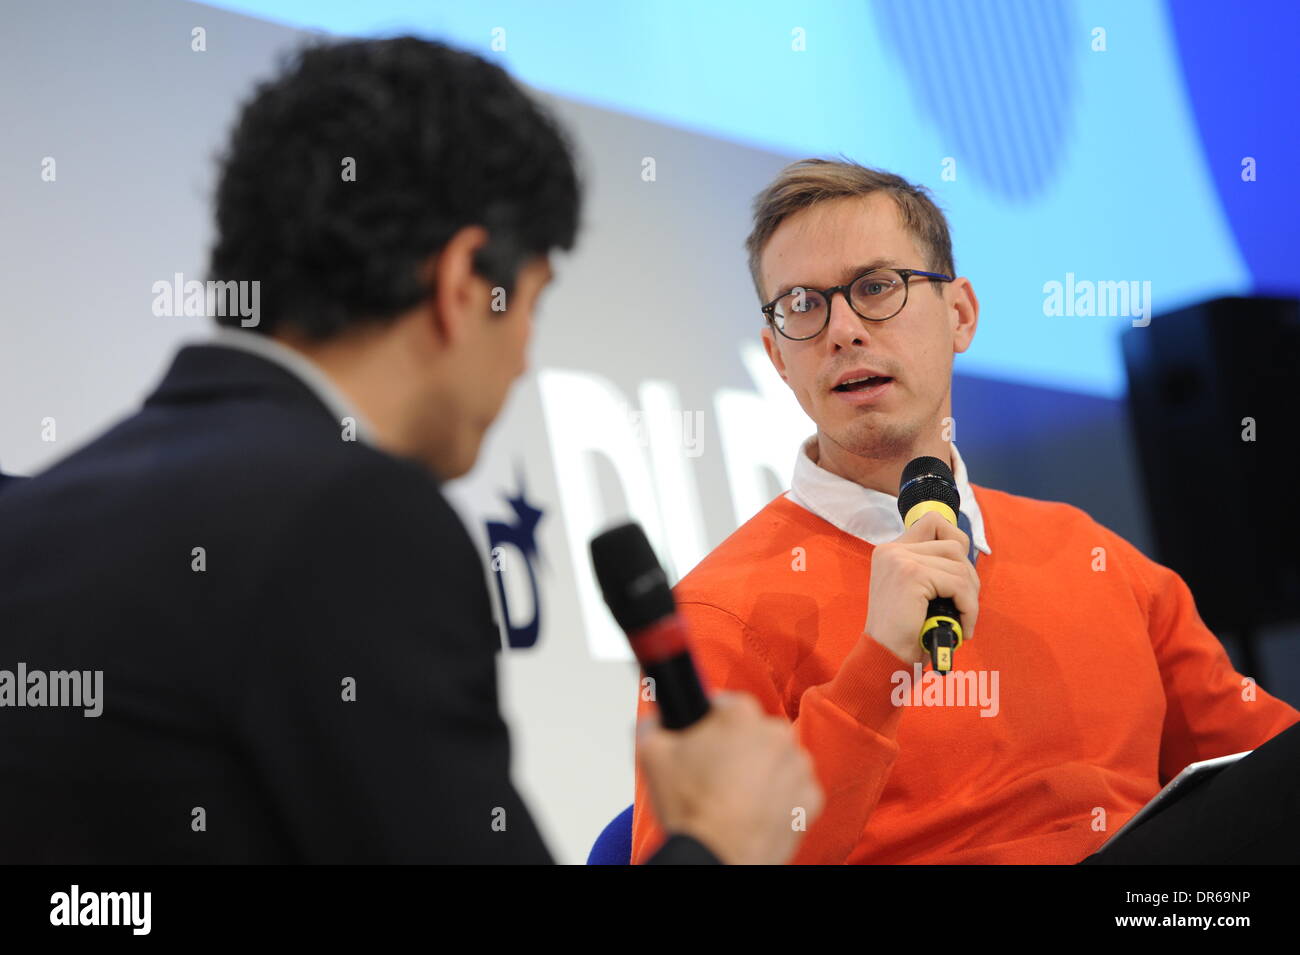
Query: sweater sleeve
{"x": 848, "y": 726}
{"x": 1211, "y": 709}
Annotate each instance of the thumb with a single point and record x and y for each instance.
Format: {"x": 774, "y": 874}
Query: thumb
{"x": 927, "y": 528}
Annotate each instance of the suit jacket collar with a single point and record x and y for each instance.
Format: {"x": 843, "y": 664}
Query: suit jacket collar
{"x": 244, "y": 363}
{"x": 209, "y": 371}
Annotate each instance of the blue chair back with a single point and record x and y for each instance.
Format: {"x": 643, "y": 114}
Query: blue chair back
{"x": 614, "y": 844}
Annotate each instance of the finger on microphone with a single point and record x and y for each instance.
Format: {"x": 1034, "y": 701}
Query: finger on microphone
{"x": 934, "y": 526}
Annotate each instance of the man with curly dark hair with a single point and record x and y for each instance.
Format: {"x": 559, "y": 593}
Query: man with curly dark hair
{"x": 293, "y": 635}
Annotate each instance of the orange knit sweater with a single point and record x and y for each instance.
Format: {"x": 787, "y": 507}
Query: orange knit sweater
{"x": 1100, "y": 682}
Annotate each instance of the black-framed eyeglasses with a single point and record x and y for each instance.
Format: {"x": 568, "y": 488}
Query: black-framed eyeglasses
{"x": 876, "y": 295}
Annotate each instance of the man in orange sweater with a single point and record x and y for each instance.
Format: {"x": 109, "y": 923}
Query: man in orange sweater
{"x": 1093, "y": 681}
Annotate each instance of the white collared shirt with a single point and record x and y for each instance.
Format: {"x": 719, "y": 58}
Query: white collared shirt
{"x": 301, "y": 367}
{"x": 863, "y": 512}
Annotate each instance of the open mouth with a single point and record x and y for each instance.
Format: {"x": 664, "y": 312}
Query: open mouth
{"x": 862, "y": 384}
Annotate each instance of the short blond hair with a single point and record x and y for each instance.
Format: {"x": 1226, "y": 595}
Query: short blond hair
{"x": 809, "y": 181}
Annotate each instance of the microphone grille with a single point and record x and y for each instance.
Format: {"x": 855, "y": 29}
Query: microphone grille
{"x": 927, "y": 479}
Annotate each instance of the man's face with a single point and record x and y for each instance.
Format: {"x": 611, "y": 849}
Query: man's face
{"x": 830, "y": 244}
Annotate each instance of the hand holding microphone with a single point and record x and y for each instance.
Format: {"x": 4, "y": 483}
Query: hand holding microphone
{"x": 718, "y": 769}
{"x": 924, "y": 578}
{"x": 732, "y": 780}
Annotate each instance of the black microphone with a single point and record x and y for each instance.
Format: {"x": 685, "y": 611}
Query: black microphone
{"x": 637, "y": 592}
{"x": 928, "y": 485}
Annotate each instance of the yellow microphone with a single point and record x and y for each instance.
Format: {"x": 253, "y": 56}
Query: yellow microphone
{"x": 927, "y": 485}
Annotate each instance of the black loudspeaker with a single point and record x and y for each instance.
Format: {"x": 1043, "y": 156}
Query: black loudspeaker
{"x": 1224, "y": 509}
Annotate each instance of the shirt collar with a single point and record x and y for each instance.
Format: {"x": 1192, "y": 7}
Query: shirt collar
{"x": 866, "y": 513}
{"x": 302, "y": 368}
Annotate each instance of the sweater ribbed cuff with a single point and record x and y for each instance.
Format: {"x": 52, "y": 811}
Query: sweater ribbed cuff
{"x": 863, "y": 686}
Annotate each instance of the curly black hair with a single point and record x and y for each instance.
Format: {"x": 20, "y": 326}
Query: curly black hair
{"x": 441, "y": 139}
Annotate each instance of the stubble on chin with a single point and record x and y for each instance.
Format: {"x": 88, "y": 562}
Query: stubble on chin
{"x": 875, "y": 440}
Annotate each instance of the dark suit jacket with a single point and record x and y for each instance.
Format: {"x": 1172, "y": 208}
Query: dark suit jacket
{"x": 225, "y": 735}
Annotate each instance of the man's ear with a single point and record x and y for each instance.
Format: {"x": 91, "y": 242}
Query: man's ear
{"x": 773, "y": 349}
{"x": 457, "y": 290}
{"x": 966, "y": 309}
